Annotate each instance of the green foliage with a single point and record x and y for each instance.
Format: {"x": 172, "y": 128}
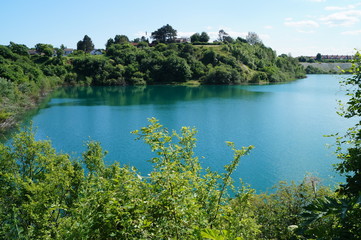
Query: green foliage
{"x": 200, "y": 38}
{"x": 118, "y": 39}
{"x": 46, "y": 195}
{"x": 204, "y": 38}
{"x": 290, "y": 66}
{"x": 86, "y": 44}
{"x": 280, "y": 212}
{"x": 252, "y": 38}
{"x": 223, "y": 74}
{"x": 23, "y": 80}
{"x": 37, "y": 186}
{"x": 350, "y": 154}
{"x": 314, "y": 70}
{"x": 195, "y": 37}
{"x": 165, "y": 34}
{"x": 20, "y": 49}
{"x": 333, "y": 218}
{"x": 44, "y": 49}
{"x": 338, "y": 217}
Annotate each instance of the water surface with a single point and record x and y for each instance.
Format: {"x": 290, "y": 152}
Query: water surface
{"x": 285, "y": 123}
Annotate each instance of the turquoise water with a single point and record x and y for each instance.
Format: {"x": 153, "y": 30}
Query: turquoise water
{"x": 285, "y": 123}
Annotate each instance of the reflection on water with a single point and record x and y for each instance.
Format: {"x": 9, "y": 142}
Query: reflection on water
{"x": 144, "y": 95}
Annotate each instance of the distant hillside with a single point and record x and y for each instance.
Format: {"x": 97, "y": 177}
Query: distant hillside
{"x": 328, "y": 67}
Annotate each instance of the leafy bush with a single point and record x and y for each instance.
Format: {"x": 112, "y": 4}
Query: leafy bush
{"x": 46, "y": 195}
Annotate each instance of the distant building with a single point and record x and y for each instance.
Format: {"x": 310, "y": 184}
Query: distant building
{"x": 32, "y": 52}
{"x": 96, "y": 52}
{"x": 337, "y": 57}
{"x": 68, "y": 51}
{"x": 182, "y": 40}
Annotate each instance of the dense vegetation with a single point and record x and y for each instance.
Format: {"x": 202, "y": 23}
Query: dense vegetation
{"x": 49, "y": 195}
{"x": 23, "y": 81}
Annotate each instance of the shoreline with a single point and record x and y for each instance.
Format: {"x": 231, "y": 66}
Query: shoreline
{"x": 12, "y": 122}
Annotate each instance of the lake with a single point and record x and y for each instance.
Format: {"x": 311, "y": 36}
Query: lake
{"x": 285, "y": 122}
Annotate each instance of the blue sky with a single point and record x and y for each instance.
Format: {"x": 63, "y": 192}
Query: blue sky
{"x": 296, "y": 27}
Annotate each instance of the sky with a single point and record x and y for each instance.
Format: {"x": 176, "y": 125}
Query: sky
{"x": 295, "y": 27}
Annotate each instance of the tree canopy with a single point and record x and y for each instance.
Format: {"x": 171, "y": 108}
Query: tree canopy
{"x": 45, "y": 49}
{"x": 253, "y": 38}
{"x": 203, "y": 37}
{"x": 165, "y": 34}
{"x": 86, "y": 44}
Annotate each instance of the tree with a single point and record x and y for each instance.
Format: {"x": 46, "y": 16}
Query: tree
{"x": 86, "y": 44}
{"x": 120, "y": 39}
{"x": 144, "y": 39}
{"x": 252, "y": 38}
{"x": 37, "y": 186}
{"x": 136, "y": 40}
{"x": 204, "y": 37}
{"x": 45, "y": 49}
{"x": 221, "y": 35}
{"x": 176, "y": 69}
{"x": 195, "y": 37}
{"x": 241, "y": 40}
{"x": 223, "y": 74}
{"x": 20, "y": 49}
{"x": 109, "y": 43}
{"x": 318, "y": 57}
{"x": 165, "y": 34}
{"x": 228, "y": 39}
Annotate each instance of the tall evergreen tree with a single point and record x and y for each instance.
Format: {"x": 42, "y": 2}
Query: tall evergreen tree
{"x": 86, "y": 45}
{"x": 165, "y": 34}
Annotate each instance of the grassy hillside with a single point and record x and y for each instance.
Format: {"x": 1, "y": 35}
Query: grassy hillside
{"x": 325, "y": 68}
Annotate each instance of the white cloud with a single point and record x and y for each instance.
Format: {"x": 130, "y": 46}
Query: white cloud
{"x": 342, "y": 18}
{"x": 268, "y": 27}
{"x": 337, "y": 8}
{"x": 301, "y": 24}
{"x": 353, "y": 33}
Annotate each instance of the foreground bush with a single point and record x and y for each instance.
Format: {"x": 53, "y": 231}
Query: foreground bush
{"x": 47, "y": 195}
